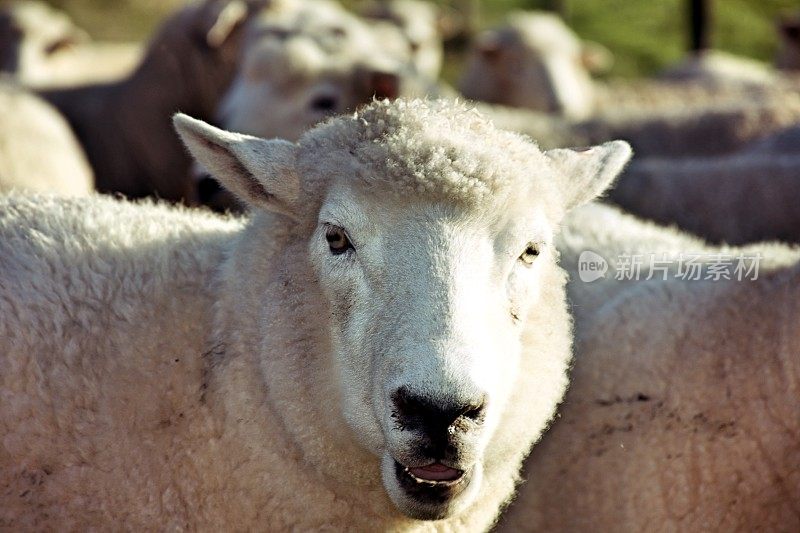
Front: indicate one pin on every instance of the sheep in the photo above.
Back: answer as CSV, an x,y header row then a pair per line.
x,y
519,66
755,191
42,48
658,95
616,235
302,64
533,61
668,120
717,68
715,130
124,126
163,368
90,63
38,151
736,199
32,36
419,22
682,410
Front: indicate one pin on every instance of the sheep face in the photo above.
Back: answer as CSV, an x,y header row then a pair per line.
x,y
286,87
303,64
425,235
419,23
425,387
536,62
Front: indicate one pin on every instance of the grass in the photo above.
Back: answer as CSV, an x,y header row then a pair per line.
x,y
644,35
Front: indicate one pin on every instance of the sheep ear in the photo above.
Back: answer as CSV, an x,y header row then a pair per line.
x,y
230,16
596,58
258,171
586,172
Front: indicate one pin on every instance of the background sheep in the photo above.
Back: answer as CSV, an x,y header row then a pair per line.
x,y
302,64
534,61
420,24
38,151
665,132
734,199
42,47
124,127
716,68
32,35
712,103
616,235
682,408
248,435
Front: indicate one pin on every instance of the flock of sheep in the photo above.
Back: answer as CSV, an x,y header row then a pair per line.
x,y
378,334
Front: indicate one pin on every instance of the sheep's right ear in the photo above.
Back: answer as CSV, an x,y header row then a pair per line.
x,y
585,173
258,171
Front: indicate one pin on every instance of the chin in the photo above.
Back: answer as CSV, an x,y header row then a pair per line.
x,y
426,500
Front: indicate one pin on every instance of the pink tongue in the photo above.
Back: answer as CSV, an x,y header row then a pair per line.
x,y
435,472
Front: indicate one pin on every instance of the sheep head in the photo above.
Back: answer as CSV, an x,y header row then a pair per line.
x,y
426,235
302,64
534,61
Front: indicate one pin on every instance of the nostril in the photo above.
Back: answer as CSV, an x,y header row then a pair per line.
x,y
415,412
474,411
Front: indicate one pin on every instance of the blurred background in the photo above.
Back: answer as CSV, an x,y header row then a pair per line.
x,y
644,35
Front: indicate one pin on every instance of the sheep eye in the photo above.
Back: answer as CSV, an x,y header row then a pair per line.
x,y
337,239
529,255
59,45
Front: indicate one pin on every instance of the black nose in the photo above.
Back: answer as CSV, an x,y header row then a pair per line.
x,y
432,416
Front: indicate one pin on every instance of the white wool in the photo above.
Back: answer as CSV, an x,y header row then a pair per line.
x,y
682,409
38,151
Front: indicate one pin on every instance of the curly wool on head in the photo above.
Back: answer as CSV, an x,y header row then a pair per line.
x,y
418,146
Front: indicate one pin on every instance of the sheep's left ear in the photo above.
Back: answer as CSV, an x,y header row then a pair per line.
x,y
584,173
260,172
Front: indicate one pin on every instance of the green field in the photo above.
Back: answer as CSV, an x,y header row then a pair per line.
x,y
645,35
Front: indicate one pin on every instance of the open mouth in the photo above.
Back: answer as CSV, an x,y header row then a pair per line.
x,y
433,484
434,474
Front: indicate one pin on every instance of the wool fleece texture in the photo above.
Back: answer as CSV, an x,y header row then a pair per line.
x,y
161,368
682,414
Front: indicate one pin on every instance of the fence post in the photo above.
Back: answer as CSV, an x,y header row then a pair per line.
x,y
700,25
